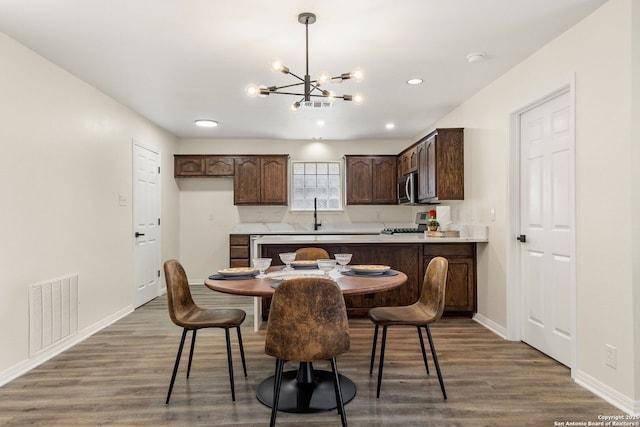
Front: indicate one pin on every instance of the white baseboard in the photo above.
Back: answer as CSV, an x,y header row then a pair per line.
x,y
28,364
617,399
497,329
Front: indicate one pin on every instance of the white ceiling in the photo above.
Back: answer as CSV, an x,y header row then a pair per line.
x,y
174,61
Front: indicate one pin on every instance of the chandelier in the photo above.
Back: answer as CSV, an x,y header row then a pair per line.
x,y
312,88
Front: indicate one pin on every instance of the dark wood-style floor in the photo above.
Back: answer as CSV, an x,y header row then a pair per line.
x,y
120,376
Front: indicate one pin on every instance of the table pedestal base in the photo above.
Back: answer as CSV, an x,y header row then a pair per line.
x,y
306,390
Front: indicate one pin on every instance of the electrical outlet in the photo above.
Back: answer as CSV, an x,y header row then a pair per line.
x,y
611,355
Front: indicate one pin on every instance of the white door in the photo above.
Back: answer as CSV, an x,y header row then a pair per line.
x,y
146,224
546,222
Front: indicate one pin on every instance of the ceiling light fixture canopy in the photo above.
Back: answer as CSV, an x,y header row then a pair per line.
x,y
312,88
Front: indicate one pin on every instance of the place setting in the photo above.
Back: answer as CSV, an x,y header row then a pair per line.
x,y
369,270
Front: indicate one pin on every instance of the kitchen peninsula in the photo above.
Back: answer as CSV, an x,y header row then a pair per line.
x,y
409,253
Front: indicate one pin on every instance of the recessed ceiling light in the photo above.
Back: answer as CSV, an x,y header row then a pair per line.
x,y
206,123
320,122
390,126
316,138
475,56
414,81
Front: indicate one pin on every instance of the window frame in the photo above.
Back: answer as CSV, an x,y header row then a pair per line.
x,y
341,186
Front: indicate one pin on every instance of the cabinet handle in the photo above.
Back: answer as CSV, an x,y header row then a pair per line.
x,y
139,234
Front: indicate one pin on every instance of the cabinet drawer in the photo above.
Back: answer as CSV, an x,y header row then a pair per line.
x,y
239,263
239,252
448,249
239,239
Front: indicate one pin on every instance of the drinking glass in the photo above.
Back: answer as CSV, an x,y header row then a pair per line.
x,y
287,258
343,260
261,264
326,265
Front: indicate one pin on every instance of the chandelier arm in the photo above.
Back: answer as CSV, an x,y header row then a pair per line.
x,y
296,76
311,95
286,86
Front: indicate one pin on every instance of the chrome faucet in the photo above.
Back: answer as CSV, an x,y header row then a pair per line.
x,y
315,214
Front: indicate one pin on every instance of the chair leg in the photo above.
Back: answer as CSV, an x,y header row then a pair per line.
x,y
193,345
175,365
435,361
373,349
336,384
230,363
276,391
244,364
424,353
381,363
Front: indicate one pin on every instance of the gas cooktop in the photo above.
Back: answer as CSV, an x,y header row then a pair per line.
x,y
399,230
421,220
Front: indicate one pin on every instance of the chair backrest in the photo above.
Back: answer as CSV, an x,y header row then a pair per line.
x,y
179,297
433,287
304,254
307,321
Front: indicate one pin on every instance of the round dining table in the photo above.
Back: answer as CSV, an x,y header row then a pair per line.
x,y
306,390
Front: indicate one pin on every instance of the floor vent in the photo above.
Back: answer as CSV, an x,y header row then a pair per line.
x,y
53,312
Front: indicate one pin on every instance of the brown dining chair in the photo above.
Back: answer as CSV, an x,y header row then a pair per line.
x,y
426,310
185,313
307,322
304,254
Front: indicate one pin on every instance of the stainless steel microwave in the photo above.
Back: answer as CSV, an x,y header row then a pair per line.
x,y
408,189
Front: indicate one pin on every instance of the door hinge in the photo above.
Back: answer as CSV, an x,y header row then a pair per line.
x,y
158,273
158,169
158,221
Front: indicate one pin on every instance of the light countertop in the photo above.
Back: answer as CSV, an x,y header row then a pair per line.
x,y
354,232
364,238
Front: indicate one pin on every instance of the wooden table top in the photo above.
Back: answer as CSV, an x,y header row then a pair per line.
x,y
350,285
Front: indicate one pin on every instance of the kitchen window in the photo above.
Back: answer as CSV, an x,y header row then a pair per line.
x,y
316,180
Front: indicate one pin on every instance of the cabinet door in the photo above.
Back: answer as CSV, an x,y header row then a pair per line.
x,y
460,291
450,164
273,180
430,168
427,169
422,171
218,166
187,166
413,160
359,177
384,189
246,182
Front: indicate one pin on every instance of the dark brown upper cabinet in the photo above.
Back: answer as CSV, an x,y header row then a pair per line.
x,y
408,161
202,165
260,180
371,180
441,166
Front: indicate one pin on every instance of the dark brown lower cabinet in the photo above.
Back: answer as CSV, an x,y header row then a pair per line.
x,y
460,293
239,250
411,259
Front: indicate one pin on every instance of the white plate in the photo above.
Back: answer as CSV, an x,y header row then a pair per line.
x,y
370,269
237,271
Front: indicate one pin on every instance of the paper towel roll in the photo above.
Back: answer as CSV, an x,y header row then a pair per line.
x,y
443,214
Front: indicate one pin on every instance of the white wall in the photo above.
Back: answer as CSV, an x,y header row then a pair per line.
x,y
598,51
66,158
